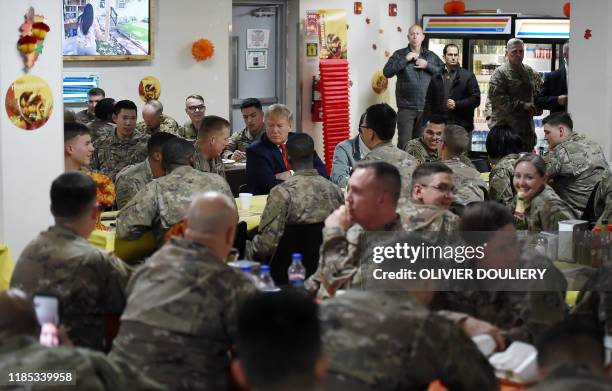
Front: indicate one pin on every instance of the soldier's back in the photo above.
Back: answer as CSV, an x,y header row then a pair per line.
x,y
469,184
401,159
130,181
500,180
89,282
100,128
389,341
312,197
180,317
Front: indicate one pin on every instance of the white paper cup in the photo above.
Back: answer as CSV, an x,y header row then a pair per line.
x,y
245,200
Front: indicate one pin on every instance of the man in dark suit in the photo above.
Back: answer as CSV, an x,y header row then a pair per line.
x,y
453,92
553,95
267,163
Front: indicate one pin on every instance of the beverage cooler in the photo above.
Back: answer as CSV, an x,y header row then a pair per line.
x,y
482,42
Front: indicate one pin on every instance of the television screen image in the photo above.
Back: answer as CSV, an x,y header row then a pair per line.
x,y
107,30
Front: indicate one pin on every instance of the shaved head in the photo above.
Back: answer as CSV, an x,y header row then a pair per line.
x,y
211,221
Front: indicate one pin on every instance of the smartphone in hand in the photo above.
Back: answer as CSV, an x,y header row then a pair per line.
x,y
47,307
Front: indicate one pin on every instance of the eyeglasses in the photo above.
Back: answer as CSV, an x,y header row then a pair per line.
x,y
442,188
362,127
196,108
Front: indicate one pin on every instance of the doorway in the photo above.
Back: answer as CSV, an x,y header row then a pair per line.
x,y
258,54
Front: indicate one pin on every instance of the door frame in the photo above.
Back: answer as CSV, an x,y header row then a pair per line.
x,y
280,61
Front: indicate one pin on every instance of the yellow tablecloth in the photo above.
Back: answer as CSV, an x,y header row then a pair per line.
x,y
133,250
6,267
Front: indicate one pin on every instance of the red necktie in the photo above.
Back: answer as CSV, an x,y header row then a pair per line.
x,y
285,160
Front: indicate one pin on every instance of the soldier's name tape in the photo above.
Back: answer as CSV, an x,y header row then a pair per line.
x,y
19,377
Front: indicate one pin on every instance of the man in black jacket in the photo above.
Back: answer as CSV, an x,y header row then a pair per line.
x,y
553,94
413,66
453,92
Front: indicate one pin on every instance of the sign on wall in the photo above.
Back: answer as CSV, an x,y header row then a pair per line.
x,y
330,28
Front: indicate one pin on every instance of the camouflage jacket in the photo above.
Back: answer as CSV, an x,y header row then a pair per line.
x,y
417,148
100,128
575,167
570,378
188,131
240,141
404,162
500,180
164,201
89,281
168,125
522,315
84,117
93,371
439,222
214,165
545,210
469,184
181,309
603,197
408,350
341,256
131,180
112,154
304,198
507,88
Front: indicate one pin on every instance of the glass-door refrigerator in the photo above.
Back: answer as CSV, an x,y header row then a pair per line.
x,y
544,39
482,41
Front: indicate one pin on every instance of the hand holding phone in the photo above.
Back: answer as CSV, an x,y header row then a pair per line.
x,y
47,307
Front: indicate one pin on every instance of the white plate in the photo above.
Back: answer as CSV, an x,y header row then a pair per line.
x,y
228,161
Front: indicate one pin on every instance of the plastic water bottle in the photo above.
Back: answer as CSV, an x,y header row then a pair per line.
x,y
248,273
266,283
296,272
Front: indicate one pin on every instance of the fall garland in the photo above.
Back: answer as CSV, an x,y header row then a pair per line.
x,y
202,49
105,189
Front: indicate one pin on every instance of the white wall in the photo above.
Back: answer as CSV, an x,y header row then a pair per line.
x,y
29,160
177,25
526,7
363,60
590,81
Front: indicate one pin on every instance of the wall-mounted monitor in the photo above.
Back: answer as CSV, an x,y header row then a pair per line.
x,y
97,30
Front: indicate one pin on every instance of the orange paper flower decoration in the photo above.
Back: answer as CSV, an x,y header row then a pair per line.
x,y
105,194
454,7
202,49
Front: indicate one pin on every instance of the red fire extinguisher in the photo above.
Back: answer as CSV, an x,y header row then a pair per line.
x,y
316,108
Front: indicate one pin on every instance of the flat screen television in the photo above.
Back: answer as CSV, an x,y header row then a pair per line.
x,y
97,30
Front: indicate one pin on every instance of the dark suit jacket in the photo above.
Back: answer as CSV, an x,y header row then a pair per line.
x,y
464,91
264,161
555,84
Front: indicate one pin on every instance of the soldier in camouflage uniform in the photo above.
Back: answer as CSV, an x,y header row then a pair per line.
x,y
522,308
603,197
213,138
371,204
378,130
467,180
253,116
196,110
427,212
154,119
512,91
574,163
411,348
89,282
103,124
134,178
425,148
503,148
94,96
122,147
20,351
179,321
305,198
164,201
543,207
